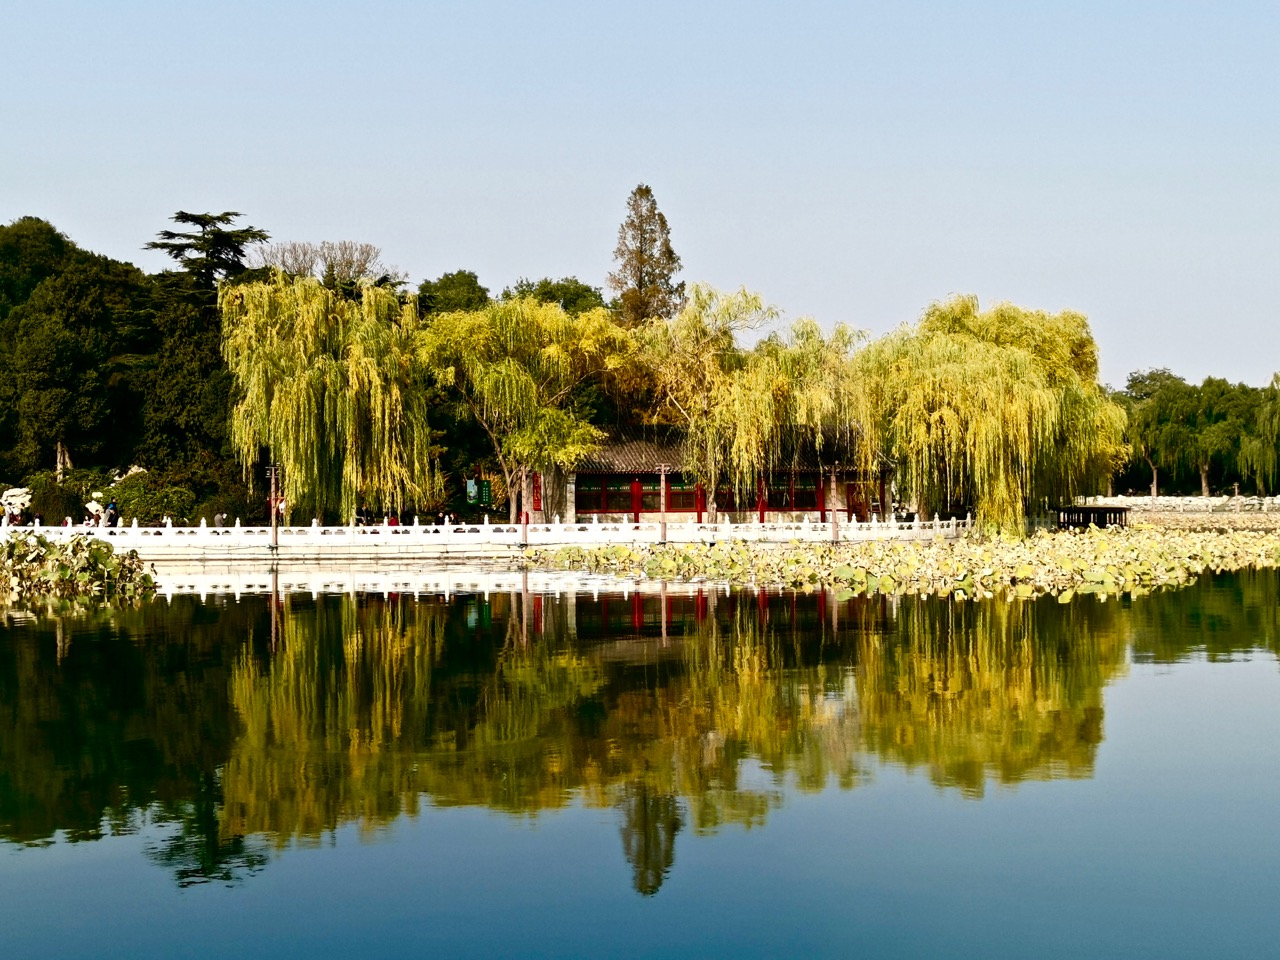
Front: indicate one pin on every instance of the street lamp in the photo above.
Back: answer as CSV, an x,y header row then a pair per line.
x,y
662,502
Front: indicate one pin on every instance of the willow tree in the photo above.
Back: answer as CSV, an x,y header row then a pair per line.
x,y
1000,409
741,410
1260,446
334,389
517,366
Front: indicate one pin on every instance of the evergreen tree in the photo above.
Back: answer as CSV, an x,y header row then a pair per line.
x,y
573,296
647,264
459,290
80,343
189,397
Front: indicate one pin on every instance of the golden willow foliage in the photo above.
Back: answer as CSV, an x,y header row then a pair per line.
x,y
516,365
334,389
742,411
327,736
1010,691
1000,409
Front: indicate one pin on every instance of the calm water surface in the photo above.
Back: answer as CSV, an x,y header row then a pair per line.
x,y
702,775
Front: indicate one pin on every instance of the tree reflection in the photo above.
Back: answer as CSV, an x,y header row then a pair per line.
x,y
695,711
650,822
197,851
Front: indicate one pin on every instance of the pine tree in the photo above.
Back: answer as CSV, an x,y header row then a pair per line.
x,y
647,264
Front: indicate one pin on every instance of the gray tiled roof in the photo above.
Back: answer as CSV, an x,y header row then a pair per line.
x,y
633,455
626,452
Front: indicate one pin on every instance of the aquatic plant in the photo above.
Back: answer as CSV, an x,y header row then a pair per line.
x,y
36,569
1063,563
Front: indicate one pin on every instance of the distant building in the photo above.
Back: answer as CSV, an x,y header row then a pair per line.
x,y
621,482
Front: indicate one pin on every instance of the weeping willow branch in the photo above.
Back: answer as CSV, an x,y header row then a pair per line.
x,y
1001,409
743,411
334,389
517,364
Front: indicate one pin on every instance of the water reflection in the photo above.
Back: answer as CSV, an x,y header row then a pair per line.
x,y
226,730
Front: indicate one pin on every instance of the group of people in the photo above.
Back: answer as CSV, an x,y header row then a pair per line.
x,y
108,516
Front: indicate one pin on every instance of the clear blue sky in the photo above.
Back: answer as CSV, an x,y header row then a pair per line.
x,y
850,161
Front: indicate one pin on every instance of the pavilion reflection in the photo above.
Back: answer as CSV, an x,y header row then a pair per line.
x,y
269,724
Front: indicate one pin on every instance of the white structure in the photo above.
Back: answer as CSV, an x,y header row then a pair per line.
x,y
462,542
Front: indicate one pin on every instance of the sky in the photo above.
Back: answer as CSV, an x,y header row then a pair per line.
x,y
853,162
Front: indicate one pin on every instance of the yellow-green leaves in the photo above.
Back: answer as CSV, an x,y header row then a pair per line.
x,y
999,409
334,388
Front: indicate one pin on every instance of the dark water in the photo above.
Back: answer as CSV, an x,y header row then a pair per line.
x,y
746,775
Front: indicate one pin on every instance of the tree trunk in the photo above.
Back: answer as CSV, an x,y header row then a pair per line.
x,y
1204,480
63,456
1110,491
513,495
1155,478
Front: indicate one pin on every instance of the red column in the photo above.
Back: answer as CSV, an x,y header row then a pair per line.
x,y
700,500
635,501
822,499
760,498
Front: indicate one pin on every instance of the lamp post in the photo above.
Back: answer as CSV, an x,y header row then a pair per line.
x,y
835,522
662,502
273,501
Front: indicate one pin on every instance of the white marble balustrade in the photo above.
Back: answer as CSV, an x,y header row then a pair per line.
x,y
473,540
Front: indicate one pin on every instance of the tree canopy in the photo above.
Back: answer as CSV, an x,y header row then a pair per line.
x,y
459,290
999,409
570,293
334,390
515,365
647,263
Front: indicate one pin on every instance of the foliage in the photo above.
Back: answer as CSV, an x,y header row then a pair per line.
x,y
1216,428
189,390
459,290
1259,456
36,569
334,390
1000,409
56,501
210,252
145,497
647,263
80,342
31,250
573,296
515,366
742,412
1109,562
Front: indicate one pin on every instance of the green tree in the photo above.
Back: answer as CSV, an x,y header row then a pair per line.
x,y
570,293
334,389
1000,409
80,341
459,290
739,409
647,263
516,366
1260,447
189,394
1155,430
210,252
1202,431
31,250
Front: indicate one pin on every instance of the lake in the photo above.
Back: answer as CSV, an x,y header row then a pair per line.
x,y
685,772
